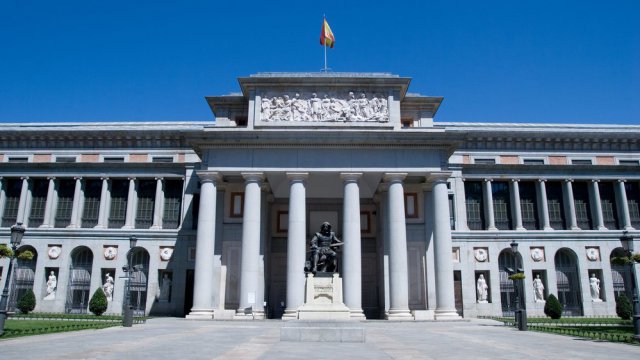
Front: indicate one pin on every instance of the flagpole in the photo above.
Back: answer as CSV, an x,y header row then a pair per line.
x,y
325,56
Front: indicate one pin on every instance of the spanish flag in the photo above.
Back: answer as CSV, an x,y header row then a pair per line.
x,y
326,36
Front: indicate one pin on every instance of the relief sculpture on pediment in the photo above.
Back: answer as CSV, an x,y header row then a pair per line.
x,y
329,108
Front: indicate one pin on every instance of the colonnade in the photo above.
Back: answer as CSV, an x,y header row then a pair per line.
x,y
296,245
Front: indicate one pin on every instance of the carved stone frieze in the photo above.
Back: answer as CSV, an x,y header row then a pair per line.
x,y
332,107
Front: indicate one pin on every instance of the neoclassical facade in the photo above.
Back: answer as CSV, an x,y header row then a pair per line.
x,y
224,210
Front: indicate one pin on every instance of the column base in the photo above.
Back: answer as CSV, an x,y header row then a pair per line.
x,y
356,314
492,228
548,228
628,228
403,314
290,315
447,315
575,228
200,314
99,226
243,314
521,228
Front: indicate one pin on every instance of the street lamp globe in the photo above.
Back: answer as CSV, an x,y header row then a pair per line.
x,y
17,231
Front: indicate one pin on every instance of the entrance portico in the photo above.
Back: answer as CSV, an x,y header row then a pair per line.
x,y
295,161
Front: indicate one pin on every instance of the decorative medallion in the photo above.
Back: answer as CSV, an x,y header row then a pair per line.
x,y
110,252
593,254
54,252
481,254
537,254
166,253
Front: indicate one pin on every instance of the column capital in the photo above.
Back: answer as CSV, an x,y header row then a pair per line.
x,y
438,177
159,178
568,180
350,176
51,177
253,176
77,178
515,180
132,178
487,179
209,176
394,177
24,178
297,176
622,180
595,180
543,180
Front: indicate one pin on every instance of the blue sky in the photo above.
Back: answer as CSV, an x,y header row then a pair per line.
x,y
493,61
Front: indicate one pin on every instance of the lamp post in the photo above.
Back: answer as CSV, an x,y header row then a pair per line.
x,y
520,313
627,244
17,231
127,319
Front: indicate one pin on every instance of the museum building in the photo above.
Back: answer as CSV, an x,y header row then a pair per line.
x,y
224,211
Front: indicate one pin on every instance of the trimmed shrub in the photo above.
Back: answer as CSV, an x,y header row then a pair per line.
x,y
27,302
623,307
553,308
98,304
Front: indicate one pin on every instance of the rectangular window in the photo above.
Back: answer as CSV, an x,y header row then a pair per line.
x,y
162,159
91,208
12,202
609,206
172,204
195,211
581,162
529,205
474,205
113,159
628,162
582,205
65,159
411,205
38,202
452,216
501,205
486,161
533,161
18,159
555,204
146,203
118,208
236,209
66,189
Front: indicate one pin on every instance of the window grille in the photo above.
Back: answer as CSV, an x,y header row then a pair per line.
x,y
555,206
474,205
12,202
118,209
528,206
38,202
79,284
501,205
146,204
609,205
91,208
581,202
172,204
66,189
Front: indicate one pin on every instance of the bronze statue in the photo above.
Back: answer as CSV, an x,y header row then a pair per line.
x,y
323,255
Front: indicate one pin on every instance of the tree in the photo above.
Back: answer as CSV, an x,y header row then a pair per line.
x,y
553,308
27,302
98,303
623,307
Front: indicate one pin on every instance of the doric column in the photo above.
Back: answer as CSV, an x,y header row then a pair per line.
x,y
158,204
517,209
48,206
543,208
296,244
597,204
251,243
487,192
103,218
132,197
398,268
77,203
205,248
22,205
445,299
623,205
352,268
570,206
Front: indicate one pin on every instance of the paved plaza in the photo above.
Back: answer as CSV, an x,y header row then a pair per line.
x,y
171,338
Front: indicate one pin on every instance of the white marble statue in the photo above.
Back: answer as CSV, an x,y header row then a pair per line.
x,y
165,288
482,289
594,284
538,289
52,284
107,287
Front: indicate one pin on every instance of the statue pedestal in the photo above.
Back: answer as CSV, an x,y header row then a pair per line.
x,y
323,299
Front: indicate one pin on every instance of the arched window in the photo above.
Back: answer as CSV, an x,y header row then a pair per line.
x,y
79,285
138,285
24,276
506,260
568,282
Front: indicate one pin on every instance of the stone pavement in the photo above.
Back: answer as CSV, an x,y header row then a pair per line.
x,y
171,338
